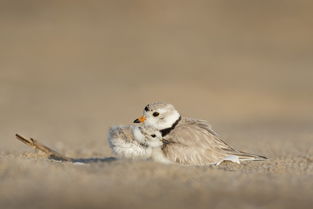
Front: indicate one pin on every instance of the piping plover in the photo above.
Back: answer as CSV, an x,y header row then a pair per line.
x,y
152,139
137,142
190,141
122,142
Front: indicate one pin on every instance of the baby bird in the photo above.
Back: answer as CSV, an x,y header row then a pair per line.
x,y
123,144
152,139
137,142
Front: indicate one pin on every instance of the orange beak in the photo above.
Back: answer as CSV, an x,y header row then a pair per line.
x,y
140,120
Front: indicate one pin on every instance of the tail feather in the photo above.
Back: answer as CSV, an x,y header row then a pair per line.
x,y
237,157
243,156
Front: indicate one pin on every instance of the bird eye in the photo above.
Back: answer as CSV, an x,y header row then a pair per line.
x,y
156,114
153,135
147,108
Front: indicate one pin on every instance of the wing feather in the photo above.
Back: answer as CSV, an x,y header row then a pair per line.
x,y
193,142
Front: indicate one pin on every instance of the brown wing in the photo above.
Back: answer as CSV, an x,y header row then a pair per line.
x,y
200,123
194,143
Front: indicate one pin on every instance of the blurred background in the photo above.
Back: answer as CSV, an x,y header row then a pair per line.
x,y
70,69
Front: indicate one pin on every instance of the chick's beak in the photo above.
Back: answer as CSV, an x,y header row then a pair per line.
x,y
140,120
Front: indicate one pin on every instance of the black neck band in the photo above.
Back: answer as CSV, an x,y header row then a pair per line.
x,y
166,131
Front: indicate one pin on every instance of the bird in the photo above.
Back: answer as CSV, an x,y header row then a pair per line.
x,y
190,141
152,139
137,142
122,141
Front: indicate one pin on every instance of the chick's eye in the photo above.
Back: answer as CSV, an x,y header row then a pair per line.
x,y
153,135
156,114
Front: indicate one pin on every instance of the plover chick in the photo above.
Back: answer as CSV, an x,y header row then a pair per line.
x,y
123,144
137,142
152,139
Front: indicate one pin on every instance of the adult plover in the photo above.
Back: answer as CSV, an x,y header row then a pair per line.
x,y
190,141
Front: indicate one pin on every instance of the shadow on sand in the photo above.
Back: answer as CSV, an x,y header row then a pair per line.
x,y
94,160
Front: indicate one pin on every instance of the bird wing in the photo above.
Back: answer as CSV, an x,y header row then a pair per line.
x,y
193,142
201,123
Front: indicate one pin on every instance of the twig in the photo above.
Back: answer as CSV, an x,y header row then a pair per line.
x,y
49,152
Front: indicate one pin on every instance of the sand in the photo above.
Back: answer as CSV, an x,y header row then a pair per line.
x,y
71,69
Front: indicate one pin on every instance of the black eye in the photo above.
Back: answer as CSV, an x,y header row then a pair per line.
x,y
147,108
153,135
156,114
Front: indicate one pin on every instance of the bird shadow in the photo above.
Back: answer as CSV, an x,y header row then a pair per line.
x,y
94,160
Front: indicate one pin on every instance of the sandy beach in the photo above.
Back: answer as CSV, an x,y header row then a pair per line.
x,y
69,70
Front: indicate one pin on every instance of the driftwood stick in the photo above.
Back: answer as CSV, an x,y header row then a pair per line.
x,y
38,146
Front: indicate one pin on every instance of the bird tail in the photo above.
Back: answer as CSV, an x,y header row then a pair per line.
x,y
243,156
238,157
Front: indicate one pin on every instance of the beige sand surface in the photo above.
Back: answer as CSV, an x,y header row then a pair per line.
x,y
71,69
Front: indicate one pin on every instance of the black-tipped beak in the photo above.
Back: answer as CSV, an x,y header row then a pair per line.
x,y
137,121
140,120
